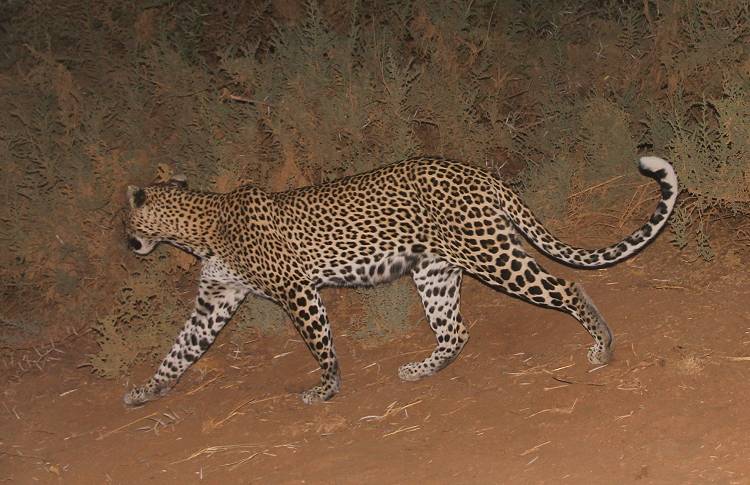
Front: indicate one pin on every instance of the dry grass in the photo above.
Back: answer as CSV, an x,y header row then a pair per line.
x,y
566,410
247,452
205,384
213,424
691,364
535,448
403,429
161,421
127,425
594,187
391,411
738,359
17,362
394,410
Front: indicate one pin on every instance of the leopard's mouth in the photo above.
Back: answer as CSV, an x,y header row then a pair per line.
x,y
140,245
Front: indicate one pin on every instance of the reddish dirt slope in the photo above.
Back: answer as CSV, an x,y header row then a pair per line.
x,y
521,404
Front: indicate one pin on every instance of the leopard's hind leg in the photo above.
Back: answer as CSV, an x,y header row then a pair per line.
x,y
516,273
439,285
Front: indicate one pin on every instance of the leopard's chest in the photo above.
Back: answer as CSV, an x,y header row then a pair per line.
x,y
217,270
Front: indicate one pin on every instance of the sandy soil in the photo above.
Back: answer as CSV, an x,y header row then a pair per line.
x,y
520,405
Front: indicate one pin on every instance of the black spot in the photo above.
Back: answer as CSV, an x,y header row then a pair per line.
x,y
656,218
666,190
529,276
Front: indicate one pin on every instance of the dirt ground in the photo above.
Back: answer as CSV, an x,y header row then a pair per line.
x,y
520,405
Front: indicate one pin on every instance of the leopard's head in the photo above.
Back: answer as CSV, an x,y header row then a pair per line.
x,y
152,213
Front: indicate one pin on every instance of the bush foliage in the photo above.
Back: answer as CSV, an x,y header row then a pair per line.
x,y
559,96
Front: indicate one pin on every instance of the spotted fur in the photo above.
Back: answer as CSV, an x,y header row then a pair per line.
x,y
431,218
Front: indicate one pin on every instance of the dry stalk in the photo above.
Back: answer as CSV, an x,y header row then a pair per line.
x,y
193,391
212,450
597,368
391,410
249,449
160,423
535,448
403,429
556,410
124,426
236,410
594,187
638,199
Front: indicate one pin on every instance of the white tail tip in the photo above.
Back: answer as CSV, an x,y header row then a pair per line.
x,y
653,164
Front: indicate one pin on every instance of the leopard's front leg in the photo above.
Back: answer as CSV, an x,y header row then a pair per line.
x,y
214,306
305,307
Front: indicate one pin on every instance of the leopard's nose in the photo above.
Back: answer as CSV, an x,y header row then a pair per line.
x,y
134,244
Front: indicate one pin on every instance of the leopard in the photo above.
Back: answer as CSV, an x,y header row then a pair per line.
x,y
432,218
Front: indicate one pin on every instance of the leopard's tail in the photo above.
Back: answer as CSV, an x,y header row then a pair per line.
x,y
654,167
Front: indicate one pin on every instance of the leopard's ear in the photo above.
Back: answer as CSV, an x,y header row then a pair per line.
x,y
136,196
179,179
